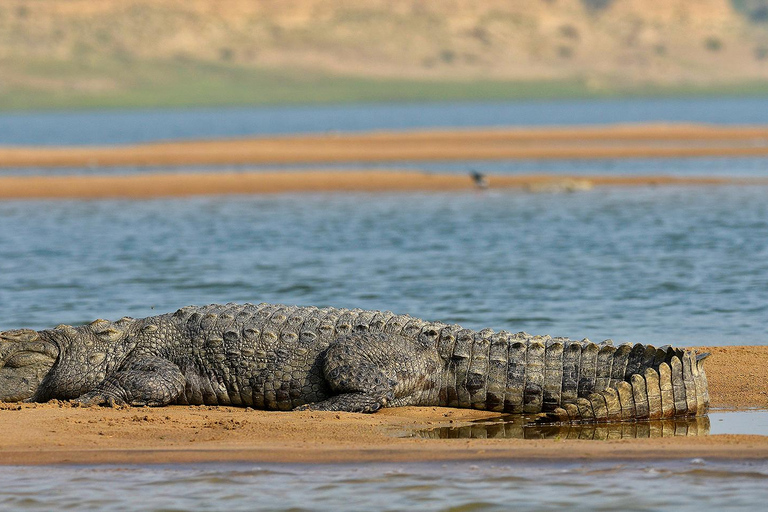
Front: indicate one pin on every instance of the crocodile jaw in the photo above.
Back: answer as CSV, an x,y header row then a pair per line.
x,y
25,360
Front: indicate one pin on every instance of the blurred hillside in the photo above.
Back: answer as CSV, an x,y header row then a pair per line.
x,y
174,52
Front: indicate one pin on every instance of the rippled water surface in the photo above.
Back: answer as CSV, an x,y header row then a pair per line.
x,y
112,127
141,125
659,265
691,485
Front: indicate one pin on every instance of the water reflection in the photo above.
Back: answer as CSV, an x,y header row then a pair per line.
x,y
522,427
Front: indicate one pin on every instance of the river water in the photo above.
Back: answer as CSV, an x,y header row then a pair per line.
x,y
110,127
686,266
686,485
682,265
132,126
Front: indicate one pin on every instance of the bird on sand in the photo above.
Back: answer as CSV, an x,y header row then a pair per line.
x,y
479,179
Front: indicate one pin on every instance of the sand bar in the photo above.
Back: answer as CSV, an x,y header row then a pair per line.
x,y
58,433
591,142
139,186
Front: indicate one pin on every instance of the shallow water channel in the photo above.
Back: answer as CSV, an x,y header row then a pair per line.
x,y
753,422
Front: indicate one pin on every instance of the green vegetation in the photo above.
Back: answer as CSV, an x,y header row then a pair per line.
x,y
596,5
755,10
182,83
713,44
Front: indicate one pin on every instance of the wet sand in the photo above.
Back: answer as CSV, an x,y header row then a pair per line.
x,y
140,186
592,142
59,433
611,141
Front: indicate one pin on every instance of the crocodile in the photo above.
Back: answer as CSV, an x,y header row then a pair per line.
x,y
278,357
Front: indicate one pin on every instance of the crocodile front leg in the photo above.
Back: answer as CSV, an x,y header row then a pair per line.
x,y
143,380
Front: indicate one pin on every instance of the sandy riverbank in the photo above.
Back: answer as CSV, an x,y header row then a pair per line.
x,y
139,186
590,142
59,433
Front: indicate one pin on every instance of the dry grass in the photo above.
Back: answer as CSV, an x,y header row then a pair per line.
x,y
116,50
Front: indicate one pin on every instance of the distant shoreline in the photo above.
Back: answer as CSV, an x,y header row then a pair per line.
x,y
78,54
221,85
244,89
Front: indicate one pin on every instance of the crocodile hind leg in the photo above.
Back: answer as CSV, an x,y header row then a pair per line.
x,y
361,387
368,371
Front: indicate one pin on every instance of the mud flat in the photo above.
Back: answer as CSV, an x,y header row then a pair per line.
x,y
138,186
56,432
591,142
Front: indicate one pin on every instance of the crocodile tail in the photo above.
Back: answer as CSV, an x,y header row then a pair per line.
x,y
569,380
671,384
500,372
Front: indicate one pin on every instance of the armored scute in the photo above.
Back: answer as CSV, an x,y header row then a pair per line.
x,y
287,357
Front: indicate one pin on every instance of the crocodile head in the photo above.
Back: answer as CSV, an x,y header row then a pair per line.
x,y
25,359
